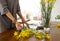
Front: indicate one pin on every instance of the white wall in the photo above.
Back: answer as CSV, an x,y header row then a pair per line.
x,y
30,6
55,11
33,7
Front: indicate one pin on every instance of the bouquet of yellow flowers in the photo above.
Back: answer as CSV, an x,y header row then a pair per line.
x,y
27,33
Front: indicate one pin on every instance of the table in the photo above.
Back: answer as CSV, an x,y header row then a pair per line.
x,y
8,36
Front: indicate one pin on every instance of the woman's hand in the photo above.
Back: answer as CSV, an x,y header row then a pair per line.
x,y
25,22
18,26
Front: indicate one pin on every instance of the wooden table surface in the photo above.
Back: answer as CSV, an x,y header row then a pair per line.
x,y
8,36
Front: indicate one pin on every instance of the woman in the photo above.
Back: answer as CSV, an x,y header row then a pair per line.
x,y
8,11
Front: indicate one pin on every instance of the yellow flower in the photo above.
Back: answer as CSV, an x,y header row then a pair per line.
x,y
37,33
47,1
15,33
44,33
25,33
39,37
52,1
17,37
58,25
47,36
20,36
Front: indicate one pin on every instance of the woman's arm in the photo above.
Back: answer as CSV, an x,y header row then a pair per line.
x,y
6,10
8,14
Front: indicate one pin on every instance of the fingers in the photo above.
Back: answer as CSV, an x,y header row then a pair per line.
x,y
27,20
27,25
18,26
24,21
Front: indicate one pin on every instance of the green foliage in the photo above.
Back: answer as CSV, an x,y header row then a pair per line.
x,y
57,17
47,6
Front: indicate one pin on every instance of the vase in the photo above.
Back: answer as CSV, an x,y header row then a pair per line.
x,y
47,30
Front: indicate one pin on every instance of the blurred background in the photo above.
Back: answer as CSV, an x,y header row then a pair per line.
x,y
33,8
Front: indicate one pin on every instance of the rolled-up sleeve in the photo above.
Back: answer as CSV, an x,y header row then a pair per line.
x,y
4,7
